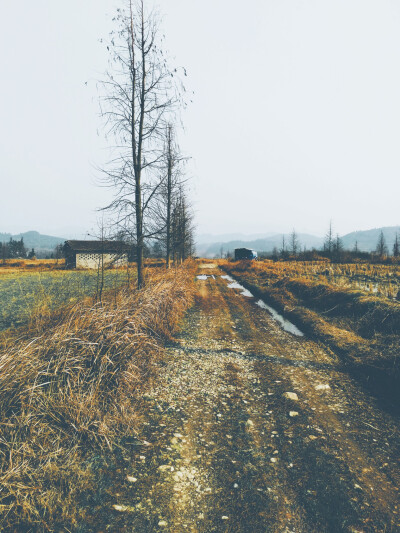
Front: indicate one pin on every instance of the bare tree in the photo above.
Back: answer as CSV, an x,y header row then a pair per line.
x,y
294,243
329,239
396,247
169,191
381,248
102,235
182,229
283,250
337,248
172,184
141,95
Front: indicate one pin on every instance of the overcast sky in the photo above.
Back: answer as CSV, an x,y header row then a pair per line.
x,y
295,119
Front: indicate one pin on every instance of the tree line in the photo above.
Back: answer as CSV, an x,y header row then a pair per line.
x,y
15,249
334,250
143,97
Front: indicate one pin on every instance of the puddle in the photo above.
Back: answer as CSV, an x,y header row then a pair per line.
x,y
235,285
283,322
243,291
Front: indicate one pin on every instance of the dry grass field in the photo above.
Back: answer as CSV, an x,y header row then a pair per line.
x,y
70,393
375,279
20,265
188,406
354,308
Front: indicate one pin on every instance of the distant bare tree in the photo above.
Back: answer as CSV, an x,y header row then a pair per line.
x,y
283,251
101,233
182,229
396,248
156,250
172,184
329,239
337,248
381,248
141,95
294,243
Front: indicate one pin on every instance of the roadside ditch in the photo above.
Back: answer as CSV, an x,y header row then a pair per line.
x,y
373,361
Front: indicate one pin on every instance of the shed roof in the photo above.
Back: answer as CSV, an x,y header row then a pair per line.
x,y
115,247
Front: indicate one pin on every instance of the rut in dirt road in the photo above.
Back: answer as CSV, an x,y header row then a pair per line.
x,y
252,429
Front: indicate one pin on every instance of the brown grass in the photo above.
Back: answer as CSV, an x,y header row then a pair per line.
x,y
30,265
33,265
71,391
363,329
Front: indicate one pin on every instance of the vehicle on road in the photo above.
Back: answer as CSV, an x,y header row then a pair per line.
x,y
245,253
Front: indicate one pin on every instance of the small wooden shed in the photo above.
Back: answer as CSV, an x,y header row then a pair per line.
x,y
95,254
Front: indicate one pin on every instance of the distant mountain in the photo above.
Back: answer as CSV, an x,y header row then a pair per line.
x,y
265,244
208,245
368,239
366,242
34,239
209,238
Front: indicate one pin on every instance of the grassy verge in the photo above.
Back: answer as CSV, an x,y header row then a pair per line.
x,y
25,294
363,330
70,393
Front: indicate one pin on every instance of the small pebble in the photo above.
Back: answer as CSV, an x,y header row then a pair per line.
x,y
163,468
322,387
291,396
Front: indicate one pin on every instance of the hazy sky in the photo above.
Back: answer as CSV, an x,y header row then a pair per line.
x,y
295,120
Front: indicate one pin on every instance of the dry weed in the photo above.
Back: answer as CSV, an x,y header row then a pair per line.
x,y
69,388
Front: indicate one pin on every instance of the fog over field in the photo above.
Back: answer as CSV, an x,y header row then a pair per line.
x,y
294,121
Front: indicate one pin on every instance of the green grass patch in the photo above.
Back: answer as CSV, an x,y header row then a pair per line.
x,y
23,294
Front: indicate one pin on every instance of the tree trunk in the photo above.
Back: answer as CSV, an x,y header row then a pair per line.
x,y
139,232
169,199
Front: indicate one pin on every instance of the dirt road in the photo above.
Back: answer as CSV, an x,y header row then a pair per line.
x,y
253,429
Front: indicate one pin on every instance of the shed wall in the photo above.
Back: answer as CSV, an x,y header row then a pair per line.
x,y
93,260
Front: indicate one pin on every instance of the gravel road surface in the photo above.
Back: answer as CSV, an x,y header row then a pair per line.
x,y
253,429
